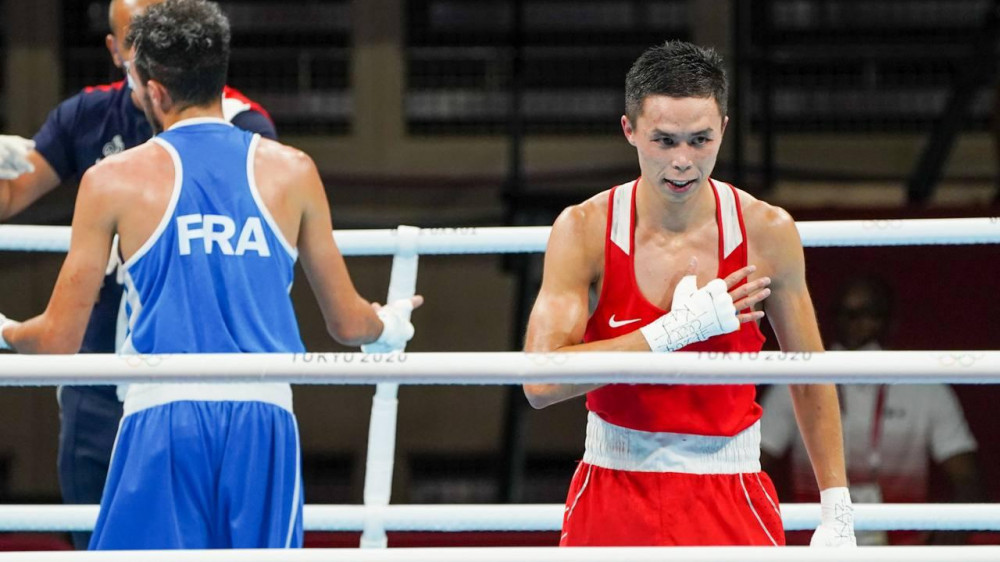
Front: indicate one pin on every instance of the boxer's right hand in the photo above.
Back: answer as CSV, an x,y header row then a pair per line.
x,y
14,156
698,314
695,315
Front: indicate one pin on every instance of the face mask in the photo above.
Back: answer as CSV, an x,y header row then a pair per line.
x,y
128,75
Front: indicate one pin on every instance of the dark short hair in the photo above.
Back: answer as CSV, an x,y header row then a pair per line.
x,y
184,45
677,69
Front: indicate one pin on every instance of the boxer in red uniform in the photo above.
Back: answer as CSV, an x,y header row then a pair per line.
x,y
680,464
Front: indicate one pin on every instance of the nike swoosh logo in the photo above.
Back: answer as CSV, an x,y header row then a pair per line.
x,y
619,323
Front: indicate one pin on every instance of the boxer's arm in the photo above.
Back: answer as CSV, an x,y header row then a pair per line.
x,y
559,317
350,319
793,318
61,327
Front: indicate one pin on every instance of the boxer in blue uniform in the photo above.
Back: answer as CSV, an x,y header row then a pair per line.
x,y
96,123
203,465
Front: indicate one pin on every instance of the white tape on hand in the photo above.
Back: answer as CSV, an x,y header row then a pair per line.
x,y
396,327
695,315
836,524
14,156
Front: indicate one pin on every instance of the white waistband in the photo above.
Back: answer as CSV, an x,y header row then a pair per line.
x,y
141,396
620,448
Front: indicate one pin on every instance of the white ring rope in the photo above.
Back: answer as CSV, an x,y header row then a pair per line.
x,y
766,367
530,517
536,554
475,240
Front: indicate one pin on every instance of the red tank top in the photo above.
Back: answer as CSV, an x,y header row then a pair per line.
x,y
723,410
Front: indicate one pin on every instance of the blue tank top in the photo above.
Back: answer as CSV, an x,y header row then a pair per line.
x,y
216,274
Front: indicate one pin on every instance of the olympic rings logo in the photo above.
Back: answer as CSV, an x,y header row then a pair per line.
x,y
882,224
137,361
961,360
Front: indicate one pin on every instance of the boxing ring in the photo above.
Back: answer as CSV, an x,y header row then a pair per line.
x,y
377,516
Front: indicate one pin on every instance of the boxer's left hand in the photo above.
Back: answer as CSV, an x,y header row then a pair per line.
x,y
396,326
836,525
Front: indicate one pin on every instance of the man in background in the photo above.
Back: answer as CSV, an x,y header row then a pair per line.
x,y
890,431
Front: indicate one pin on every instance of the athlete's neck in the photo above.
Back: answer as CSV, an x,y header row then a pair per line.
x,y
213,111
674,214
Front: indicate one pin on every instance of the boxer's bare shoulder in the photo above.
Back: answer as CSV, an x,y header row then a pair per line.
x,y
580,229
772,235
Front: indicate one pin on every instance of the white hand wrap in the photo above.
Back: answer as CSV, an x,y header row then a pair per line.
x,y
396,328
836,522
14,156
4,322
695,315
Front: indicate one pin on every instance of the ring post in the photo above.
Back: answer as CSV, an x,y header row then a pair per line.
x,y
382,431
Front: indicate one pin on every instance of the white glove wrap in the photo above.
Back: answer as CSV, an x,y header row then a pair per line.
x,y
836,522
695,315
14,156
396,328
4,321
